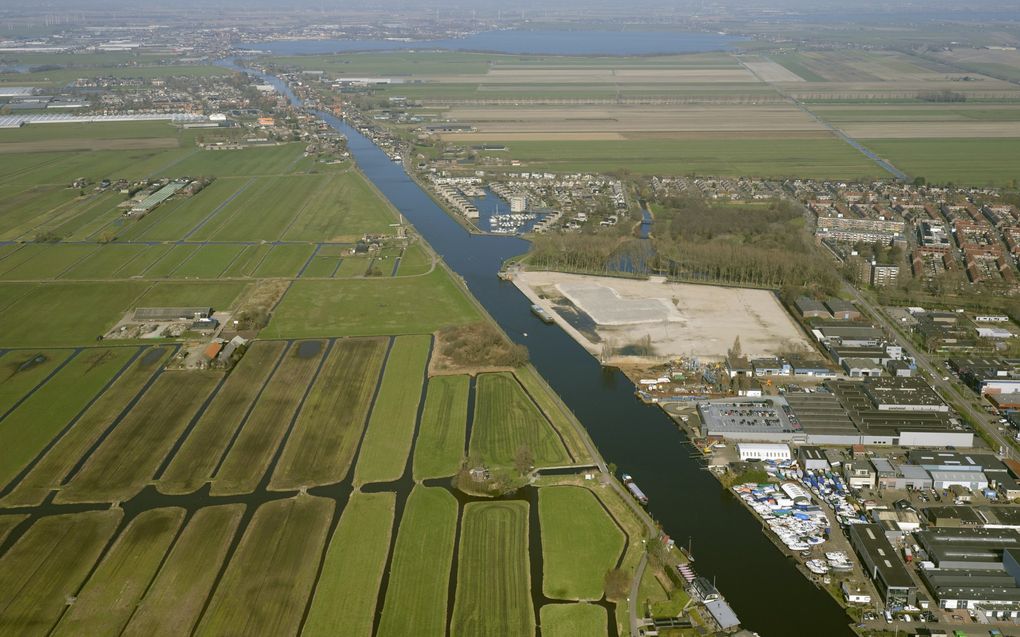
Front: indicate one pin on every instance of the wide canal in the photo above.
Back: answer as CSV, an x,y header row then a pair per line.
x,y
765,589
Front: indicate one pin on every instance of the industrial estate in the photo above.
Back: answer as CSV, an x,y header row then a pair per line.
x,y
499,325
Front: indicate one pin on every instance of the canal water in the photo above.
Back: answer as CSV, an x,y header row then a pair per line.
x,y
769,595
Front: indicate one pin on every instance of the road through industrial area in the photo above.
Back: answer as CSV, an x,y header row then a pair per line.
x,y
938,375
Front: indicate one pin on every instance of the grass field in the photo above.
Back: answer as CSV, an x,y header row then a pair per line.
x,y
111,593
351,267
342,209
414,261
973,162
580,543
265,591
48,262
194,463
817,158
105,262
251,452
209,262
321,447
262,210
127,459
493,587
266,160
371,307
61,304
570,620
47,474
391,426
177,217
48,563
439,448
348,588
22,371
506,420
29,428
220,295
8,524
565,423
174,600
247,261
416,596
284,261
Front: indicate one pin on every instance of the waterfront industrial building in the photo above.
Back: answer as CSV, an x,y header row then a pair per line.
x,y
878,411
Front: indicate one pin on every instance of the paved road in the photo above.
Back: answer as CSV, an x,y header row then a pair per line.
x,y
963,399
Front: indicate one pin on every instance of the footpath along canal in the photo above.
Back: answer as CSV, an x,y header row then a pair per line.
x,y
765,589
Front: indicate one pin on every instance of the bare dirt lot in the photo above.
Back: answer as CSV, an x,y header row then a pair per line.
x,y
610,317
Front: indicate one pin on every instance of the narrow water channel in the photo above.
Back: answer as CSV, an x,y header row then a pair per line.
x,y
769,595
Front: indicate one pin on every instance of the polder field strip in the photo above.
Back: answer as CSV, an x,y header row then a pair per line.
x,y
208,262
571,620
265,587
109,597
49,472
562,419
21,371
439,448
252,450
140,264
267,160
416,596
321,265
48,262
177,256
414,261
218,294
23,205
580,543
174,601
196,460
284,260
321,447
129,456
48,563
818,158
493,587
105,262
377,306
61,304
262,211
172,220
247,261
988,161
348,585
8,523
391,426
28,429
342,209
506,421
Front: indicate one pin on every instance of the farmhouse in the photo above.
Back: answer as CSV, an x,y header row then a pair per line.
x,y
172,313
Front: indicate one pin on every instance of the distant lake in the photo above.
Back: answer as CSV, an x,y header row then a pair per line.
x,y
523,42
